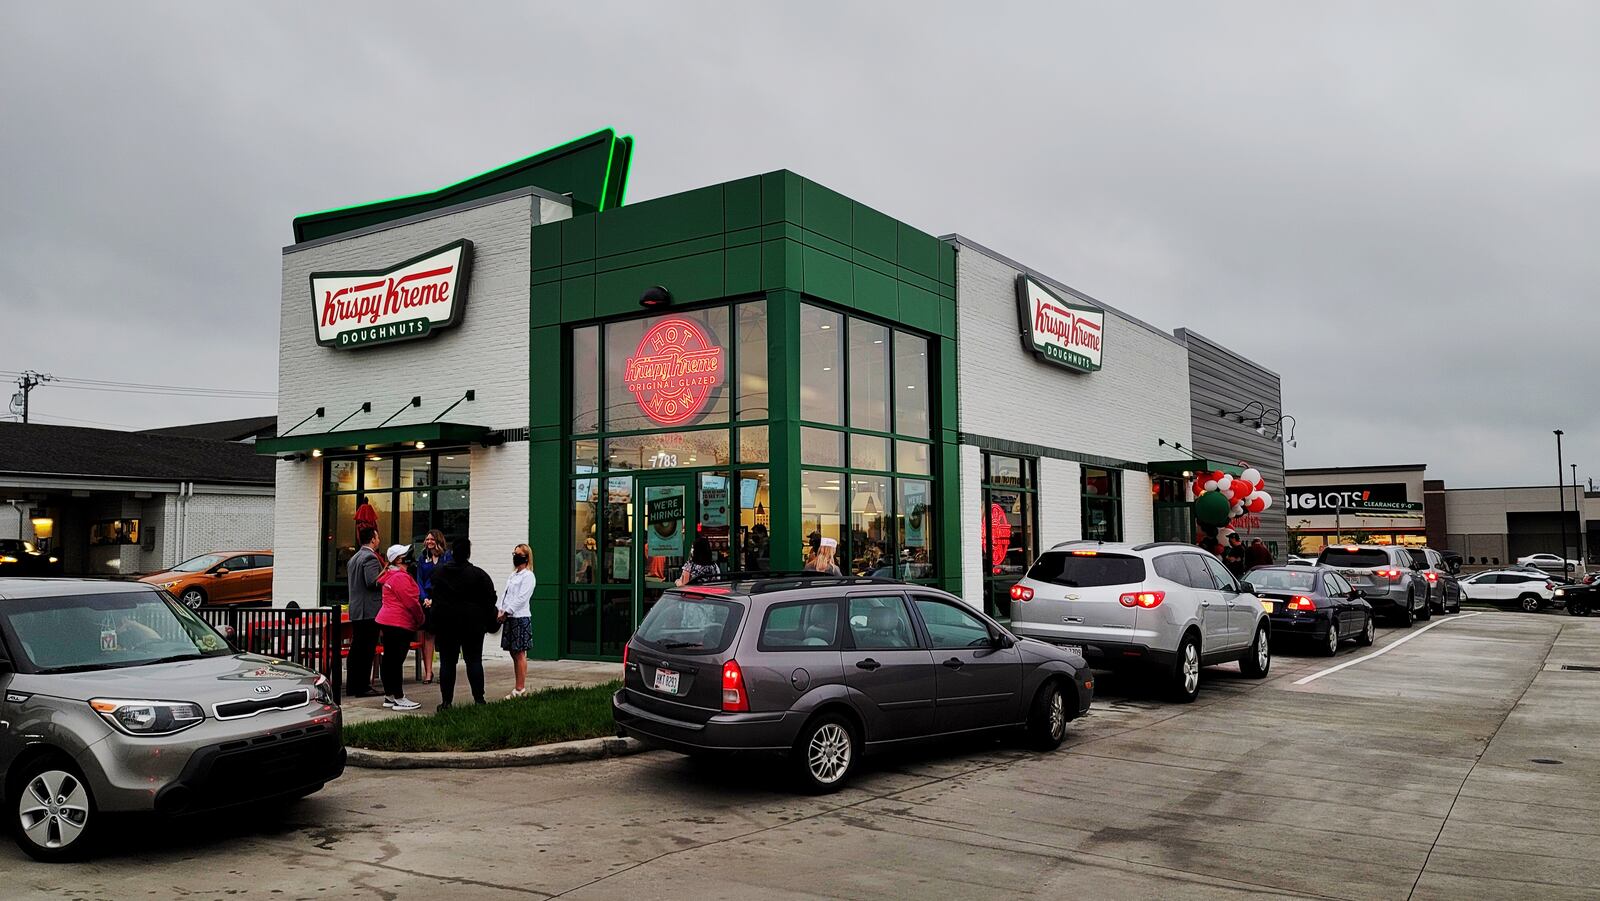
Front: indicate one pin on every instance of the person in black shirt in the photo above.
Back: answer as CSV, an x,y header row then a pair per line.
x,y
463,607
1233,555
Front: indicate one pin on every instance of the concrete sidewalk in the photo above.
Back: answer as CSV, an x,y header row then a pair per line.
x,y
498,681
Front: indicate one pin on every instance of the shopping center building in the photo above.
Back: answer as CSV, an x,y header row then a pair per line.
x,y
521,357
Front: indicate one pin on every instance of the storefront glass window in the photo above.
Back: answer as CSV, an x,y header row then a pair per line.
x,y
869,452
414,518
617,548
912,457
668,450
717,511
914,518
342,475
753,444
339,533
586,531
819,506
1007,526
821,365
455,468
377,475
821,447
1169,495
753,360
416,472
871,525
411,494
667,371
869,375
755,521
911,385
1102,504
586,380
583,622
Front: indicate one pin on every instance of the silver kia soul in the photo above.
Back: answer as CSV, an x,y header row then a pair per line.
x,y
116,698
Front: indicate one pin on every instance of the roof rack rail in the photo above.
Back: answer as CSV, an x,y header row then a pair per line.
x,y
781,580
1149,545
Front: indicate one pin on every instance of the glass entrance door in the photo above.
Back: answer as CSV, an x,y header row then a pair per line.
x,y
666,535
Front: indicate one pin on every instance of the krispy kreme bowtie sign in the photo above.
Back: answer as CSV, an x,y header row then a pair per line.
x,y
674,370
412,299
1059,332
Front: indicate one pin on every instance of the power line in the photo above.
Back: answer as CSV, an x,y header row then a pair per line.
x,y
132,386
119,425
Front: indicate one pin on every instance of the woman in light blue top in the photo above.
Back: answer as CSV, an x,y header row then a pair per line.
x,y
517,634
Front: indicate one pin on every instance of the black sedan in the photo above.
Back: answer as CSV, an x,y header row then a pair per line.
x,y
1313,602
1581,599
21,558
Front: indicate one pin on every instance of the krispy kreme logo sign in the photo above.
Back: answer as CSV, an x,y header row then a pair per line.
x,y
1063,333
674,370
407,300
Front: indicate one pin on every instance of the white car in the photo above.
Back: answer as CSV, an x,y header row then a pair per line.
x,y
1550,562
1530,591
1297,560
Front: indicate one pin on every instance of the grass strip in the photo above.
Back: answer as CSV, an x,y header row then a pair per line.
x,y
537,718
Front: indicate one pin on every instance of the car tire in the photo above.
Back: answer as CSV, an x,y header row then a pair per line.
x,y
1369,633
60,828
825,754
193,598
1047,721
1577,608
1404,617
1183,684
1257,659
1426,610
1330,644
1530,603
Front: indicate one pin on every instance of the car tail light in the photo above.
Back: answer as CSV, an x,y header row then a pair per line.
x,y
1549,586
624,661
1389,573
734,697
1021,593
1433,577
1085,553
1301,602
1145,599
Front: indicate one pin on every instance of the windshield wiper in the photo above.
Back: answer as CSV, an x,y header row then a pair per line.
x,y
677,645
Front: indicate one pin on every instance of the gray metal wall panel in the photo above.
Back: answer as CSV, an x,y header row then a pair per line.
x,y
1220,379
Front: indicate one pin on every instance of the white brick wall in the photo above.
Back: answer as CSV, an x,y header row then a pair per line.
x,y
486,352
971,546
1139,396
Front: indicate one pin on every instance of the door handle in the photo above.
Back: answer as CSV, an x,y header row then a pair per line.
x,y
868,664
953,663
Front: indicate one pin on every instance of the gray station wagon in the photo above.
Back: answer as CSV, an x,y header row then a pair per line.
x,y
114,697
821,669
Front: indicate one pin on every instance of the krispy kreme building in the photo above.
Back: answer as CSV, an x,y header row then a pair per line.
x,y
522,357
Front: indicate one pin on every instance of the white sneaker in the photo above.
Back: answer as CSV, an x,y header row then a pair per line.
x,y
405,704
388,701
516,693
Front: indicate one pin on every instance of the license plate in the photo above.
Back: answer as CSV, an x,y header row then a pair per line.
x,y
1074,649
666,681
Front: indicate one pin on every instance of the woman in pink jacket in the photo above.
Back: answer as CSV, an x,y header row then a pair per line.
x,y
399,619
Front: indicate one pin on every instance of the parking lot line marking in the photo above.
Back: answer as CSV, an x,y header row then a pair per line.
x,y
1381,651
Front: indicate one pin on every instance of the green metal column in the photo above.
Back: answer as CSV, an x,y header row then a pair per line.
x,y
783,374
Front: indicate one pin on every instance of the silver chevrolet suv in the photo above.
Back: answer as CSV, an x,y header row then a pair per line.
x,y
114,697
1387,575
1167,607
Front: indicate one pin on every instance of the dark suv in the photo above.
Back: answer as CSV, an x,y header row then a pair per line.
x,y
821,669
1444,591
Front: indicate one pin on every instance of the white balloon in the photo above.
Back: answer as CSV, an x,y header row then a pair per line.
x,y
1210,485
1266,500
1225,483
1253,476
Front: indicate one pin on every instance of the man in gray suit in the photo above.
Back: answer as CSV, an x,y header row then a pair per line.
x,y
366,597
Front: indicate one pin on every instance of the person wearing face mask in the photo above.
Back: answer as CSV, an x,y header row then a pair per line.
x,y
517,634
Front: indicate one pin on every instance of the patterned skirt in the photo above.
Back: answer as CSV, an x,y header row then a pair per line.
x,y
516,634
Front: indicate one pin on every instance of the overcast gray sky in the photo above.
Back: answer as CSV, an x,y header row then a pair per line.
x,y
1395,209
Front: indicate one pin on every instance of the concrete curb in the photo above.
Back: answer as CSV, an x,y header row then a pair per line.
x,y
560,752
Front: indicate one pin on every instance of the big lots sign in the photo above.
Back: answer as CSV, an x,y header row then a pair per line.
x,y
674,370
1063,333
412,299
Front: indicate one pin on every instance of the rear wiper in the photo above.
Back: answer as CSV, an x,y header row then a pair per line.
x,y
677,645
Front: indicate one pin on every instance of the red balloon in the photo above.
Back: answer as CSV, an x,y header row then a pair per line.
x,y
1257,505
1242,489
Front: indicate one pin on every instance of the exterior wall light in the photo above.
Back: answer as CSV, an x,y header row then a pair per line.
x,y
655,296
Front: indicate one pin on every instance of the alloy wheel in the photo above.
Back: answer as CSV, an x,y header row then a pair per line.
x,y
1191,668
1333,639
1531,605
53,809
1372,631
829,753
194,600
1263,651
1058,715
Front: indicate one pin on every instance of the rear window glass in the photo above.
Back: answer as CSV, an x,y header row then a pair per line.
x,y
1360,557
1419,560
1087,569
1288,579
691,623
810,624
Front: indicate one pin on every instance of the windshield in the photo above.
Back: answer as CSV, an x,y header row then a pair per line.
x,y
106,631
691,623
1087,569
198,565
13,546
1288,579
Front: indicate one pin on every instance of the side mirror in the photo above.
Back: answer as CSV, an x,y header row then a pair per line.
x,y
1357,594
220,571
6,667
1246,588
1000,641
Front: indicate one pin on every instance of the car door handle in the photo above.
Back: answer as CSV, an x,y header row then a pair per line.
x,y
868,664
953,663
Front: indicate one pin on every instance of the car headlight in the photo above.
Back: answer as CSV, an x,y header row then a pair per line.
x,y
1560,592
55,559
323,691
169,585
148,717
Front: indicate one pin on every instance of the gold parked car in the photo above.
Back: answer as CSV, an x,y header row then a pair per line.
x,y
221,577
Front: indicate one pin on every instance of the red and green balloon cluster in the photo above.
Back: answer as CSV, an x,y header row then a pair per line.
x,y
1220,497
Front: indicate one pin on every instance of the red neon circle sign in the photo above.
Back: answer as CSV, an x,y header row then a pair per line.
x,y
999,525
673,371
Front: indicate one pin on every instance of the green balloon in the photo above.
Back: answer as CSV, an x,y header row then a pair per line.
x,y
1212,509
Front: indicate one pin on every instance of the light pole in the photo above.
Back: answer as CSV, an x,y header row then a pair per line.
x,y
1561,496
1577,507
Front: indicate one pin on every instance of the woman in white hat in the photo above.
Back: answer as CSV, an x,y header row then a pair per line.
x,y
398,619
822,560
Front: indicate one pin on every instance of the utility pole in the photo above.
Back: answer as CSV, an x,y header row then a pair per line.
x,y
1577,507
26,382
1561,495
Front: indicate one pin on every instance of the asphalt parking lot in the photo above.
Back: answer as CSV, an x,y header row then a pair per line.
x,y
1413,774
